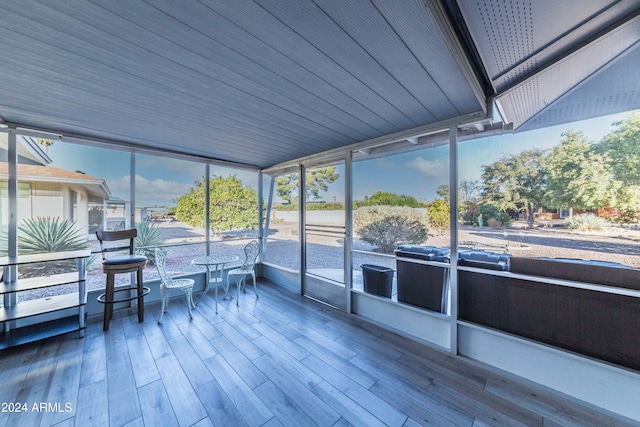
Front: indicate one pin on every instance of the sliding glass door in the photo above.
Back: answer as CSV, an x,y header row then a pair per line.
x,y
324,233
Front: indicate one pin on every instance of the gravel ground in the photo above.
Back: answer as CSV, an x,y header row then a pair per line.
x,y
616,245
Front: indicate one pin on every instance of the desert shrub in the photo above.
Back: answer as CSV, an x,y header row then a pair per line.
x,y
620,216
149,236
586,222
438,216
389,226
45,235
488,212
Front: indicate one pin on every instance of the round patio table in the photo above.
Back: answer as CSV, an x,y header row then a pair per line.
x,y
215,264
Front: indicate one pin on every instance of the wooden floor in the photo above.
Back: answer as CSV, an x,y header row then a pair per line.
x,y
278,360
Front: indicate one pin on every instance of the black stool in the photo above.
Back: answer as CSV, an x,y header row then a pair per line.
x,y
128,263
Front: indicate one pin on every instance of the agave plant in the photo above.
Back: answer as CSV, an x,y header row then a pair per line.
x,y
44,235
149,236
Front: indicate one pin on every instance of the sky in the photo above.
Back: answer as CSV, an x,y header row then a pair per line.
x,y
161,180
420,173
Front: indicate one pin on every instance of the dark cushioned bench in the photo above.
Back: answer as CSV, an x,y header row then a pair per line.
x,y
589,322
421,285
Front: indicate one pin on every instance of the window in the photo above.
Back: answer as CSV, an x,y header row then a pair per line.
x,y
569,191
86,186
283,234
399,198
325,221
234,203
169,210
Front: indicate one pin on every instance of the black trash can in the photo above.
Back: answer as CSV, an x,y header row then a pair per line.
x,y
378,280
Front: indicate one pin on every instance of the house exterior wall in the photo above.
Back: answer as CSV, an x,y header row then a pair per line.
x,y
47,200
44,199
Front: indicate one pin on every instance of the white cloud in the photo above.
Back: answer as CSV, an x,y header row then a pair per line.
x,y
430,168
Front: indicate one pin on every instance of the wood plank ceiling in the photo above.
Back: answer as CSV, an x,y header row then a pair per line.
x,y
256,82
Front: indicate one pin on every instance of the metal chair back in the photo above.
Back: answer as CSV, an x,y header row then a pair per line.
x,y
161,263
251,252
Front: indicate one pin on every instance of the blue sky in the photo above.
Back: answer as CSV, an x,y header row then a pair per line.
x,y
161,180
420,173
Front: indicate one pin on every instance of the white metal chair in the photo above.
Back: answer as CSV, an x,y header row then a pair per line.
x,y
167,283
251,252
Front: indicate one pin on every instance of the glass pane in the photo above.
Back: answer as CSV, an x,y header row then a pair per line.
x,y
283,241
400,199
325,221
233,203
4,206
87,186
570,191
169,208
4,193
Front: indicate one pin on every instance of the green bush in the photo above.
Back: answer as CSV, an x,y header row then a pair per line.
x,y
488,212
383,198
389,226
586,222
149,236
438,216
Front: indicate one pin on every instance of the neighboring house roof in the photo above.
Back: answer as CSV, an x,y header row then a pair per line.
x,y
37,173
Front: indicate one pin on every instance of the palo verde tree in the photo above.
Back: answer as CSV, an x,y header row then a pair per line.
x,y
232,206
317,180
516,182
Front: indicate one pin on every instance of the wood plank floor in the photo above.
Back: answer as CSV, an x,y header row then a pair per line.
x,y
279,360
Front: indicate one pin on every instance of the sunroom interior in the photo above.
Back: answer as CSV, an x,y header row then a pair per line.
x,y
117,114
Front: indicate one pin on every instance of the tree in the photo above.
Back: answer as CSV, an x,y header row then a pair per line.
x,y
469,193
438,216
232,206
578,176
317,179
516,182
383,198
46,143
622,150
443,192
